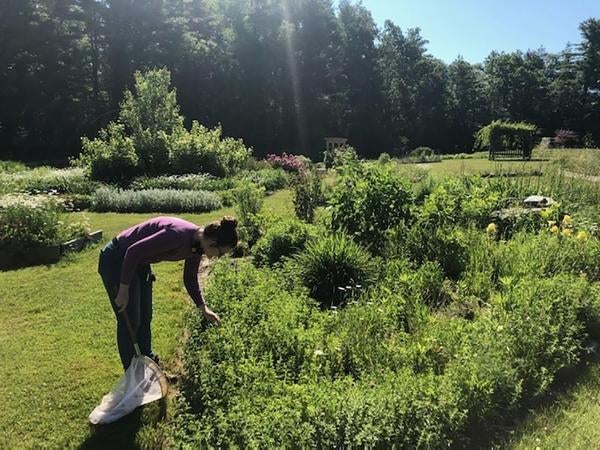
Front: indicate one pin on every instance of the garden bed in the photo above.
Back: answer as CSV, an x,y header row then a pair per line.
x,y
49,254
75,245
14,259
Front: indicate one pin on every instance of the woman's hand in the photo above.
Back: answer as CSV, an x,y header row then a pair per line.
x,y
122,297
210,316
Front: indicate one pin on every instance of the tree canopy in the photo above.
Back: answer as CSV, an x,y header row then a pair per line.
x,y
282,75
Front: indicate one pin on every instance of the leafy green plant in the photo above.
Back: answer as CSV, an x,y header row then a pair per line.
x,y
150,138
111,157
461,201
367,201
308,195
270,179
24,226
333,267
283,239
151,115
422,152
12,167
27,223
47,180
205,150
249,200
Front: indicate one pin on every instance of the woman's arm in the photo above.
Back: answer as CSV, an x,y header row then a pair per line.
x,y
190,280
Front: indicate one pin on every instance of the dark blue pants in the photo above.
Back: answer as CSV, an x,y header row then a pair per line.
x,y
139,308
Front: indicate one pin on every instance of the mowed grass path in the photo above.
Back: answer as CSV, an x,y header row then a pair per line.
x,y
569,420
58,353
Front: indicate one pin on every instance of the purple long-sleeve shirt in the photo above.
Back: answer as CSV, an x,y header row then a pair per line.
x,y
162,239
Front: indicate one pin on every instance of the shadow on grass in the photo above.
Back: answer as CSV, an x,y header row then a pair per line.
x,y
122,434
500,434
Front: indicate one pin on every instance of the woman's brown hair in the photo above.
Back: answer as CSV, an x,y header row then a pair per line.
x,y
223,232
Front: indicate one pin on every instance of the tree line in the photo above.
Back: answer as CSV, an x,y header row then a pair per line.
x,y
281,74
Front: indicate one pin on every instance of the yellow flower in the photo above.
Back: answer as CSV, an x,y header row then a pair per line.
x,y
551,223
491,228
566,220
554,229
582,236
567,232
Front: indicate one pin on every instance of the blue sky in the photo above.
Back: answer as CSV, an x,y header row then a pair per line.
x,y
473,28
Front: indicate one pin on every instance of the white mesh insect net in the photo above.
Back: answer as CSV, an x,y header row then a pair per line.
x,y
142,383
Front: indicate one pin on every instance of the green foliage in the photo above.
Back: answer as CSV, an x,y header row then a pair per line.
x,y
308,195
461,201
340,157
154,200
298,375
150,115
25,226
283,239
150,138
384,158
424,242
367,201
333,268
189,182
29,223
12,167
249,200
205,150
47,180
111,157
422,152
268,178
502,137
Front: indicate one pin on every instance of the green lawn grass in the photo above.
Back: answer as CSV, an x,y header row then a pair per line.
x,y
480,164
568,420
58,353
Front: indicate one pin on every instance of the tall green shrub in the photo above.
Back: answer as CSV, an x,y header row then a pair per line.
x,y
207,151
283,239
249,200
308,195
367,201
111,157
151,115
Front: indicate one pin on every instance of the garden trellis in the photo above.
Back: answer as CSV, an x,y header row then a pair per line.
x,y
506,139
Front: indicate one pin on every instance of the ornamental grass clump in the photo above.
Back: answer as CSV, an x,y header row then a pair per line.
x,y
333,268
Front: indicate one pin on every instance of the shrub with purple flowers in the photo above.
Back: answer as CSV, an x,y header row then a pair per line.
x,y
566,139
291,163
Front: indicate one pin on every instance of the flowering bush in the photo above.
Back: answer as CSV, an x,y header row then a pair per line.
x,y
288,162
29,222
565,138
